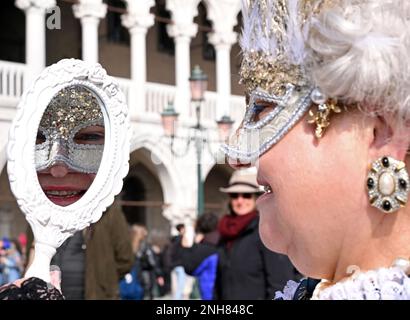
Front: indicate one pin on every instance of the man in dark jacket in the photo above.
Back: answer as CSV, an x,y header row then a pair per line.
x,y
247,270
201,260
93,261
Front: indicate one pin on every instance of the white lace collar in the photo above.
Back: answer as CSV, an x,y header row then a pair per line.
x,y
381,284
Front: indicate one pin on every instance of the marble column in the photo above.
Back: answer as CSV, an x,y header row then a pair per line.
x,y
223,15
182,30
35,11
90,12
138,20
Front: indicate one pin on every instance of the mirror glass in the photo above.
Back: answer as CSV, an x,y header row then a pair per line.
x,y
69,144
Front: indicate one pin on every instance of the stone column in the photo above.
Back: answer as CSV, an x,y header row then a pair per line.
x,y
35,11
90,12
182,30
137,20
223,15
181,213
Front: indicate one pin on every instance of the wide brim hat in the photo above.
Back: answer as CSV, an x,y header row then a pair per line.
x,y
243,181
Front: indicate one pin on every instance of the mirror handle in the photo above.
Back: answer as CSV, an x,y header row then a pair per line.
x,y
40,268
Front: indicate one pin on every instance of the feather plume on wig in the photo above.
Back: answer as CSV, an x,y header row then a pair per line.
x,y
260,18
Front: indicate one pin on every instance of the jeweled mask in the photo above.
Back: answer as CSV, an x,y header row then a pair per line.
x,y
274,74
71,132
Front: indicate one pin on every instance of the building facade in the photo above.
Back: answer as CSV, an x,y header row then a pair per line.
x,y
150,47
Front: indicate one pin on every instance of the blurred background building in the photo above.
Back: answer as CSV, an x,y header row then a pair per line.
x,y
150,47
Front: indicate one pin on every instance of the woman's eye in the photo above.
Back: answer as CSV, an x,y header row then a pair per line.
x,y
40,138
89,138
260,111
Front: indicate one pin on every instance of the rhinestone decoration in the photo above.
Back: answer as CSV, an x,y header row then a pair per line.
x,y
260,70
69,108
388,184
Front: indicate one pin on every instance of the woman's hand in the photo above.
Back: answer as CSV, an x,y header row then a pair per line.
x,y
55,276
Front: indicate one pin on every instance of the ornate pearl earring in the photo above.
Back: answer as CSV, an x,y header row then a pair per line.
x,y
388,184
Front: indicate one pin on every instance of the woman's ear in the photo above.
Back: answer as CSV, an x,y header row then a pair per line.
x,y
389,139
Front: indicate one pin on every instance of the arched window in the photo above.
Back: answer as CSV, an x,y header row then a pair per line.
x,y
134,190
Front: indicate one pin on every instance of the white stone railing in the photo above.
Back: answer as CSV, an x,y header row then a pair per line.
x,y
157,96
12,77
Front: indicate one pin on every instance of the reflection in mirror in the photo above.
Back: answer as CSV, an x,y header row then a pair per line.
x,y
69,145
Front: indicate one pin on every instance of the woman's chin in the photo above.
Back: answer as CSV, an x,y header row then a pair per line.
x,y
265,203
271,239
278,248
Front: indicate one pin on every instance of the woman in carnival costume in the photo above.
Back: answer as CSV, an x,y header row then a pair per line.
x,y
328,125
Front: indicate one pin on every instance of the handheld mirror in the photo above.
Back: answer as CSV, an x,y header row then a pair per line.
x,y
68,152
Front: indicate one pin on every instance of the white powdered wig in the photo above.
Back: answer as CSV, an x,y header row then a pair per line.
x,y
361,53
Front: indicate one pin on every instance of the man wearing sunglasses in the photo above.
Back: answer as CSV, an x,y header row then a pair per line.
x,y
247,270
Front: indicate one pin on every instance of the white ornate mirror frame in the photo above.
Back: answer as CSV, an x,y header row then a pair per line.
x,y
53,224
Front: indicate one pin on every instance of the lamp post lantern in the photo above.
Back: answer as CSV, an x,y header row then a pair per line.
x,y
169,120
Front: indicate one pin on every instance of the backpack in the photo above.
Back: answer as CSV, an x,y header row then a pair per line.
x,y
130,286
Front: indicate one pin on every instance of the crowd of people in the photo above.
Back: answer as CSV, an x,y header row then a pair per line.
x,y
227,259
11,259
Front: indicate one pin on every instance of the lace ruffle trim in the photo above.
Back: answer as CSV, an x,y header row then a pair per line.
x,y
382,284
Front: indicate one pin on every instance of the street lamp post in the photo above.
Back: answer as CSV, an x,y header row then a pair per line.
x,y
198,84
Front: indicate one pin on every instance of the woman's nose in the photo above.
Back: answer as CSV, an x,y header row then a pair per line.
x,y
59,170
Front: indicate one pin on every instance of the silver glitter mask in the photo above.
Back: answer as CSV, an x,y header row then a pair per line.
x,y
258,134
71,110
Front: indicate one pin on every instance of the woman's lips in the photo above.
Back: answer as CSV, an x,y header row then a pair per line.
x,y
267,188
268,191
264,196
63,196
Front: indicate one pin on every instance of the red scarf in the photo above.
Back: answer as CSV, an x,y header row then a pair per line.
x,y
231,225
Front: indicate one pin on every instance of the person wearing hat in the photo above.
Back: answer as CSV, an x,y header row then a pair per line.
x,y
247,270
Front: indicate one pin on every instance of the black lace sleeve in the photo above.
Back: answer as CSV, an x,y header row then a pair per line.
x,y
31,289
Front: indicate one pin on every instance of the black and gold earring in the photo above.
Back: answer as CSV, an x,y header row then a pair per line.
x,y
388,184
